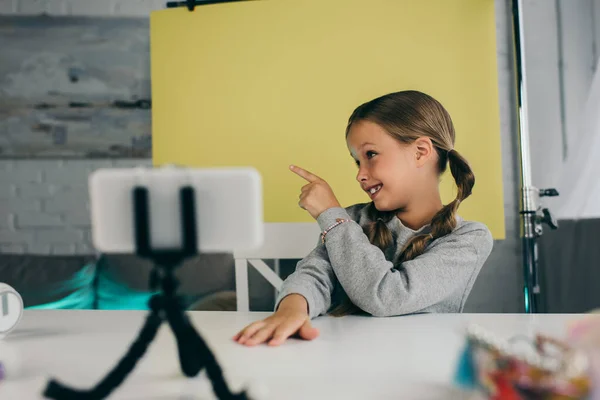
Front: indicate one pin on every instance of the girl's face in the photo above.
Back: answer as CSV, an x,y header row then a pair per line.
x,y
388,171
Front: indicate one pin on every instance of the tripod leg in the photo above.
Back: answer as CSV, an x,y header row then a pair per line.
x,y
194,353
58,391
191,363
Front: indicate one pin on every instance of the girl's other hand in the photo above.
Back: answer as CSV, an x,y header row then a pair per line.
x,y
291,318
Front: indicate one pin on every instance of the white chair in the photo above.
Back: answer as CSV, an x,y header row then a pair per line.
x,y
281,241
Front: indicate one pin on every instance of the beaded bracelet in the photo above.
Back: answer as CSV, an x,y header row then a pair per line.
x,y
338,221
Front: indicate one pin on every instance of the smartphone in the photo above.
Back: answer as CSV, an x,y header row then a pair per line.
x,y
228,208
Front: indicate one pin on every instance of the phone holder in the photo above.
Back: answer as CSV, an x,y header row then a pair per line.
x,y
11,309
194,354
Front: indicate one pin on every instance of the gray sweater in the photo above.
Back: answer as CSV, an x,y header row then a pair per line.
x,y
347,264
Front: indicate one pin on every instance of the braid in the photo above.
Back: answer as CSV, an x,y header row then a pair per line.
x,y
377,231
444,221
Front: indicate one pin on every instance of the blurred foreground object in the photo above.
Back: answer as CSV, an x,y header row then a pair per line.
x,y
523,368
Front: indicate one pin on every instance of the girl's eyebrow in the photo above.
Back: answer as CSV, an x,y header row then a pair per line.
x,y
361,146
366,143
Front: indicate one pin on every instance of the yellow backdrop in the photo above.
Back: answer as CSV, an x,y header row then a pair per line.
x,y
272,83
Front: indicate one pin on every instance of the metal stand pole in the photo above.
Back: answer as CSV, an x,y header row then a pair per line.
x,y
531,218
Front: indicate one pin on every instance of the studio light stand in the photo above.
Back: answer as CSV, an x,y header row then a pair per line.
x,y
194,354
533,216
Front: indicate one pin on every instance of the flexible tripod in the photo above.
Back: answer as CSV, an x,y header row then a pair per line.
x,y
194,354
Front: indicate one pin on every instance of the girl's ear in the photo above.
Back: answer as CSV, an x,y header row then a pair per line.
x,y
423,150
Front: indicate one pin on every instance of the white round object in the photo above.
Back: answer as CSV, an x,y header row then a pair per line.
x,y
11,309
11,365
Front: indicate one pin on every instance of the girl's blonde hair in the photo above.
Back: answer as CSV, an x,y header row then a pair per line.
x,y
406,116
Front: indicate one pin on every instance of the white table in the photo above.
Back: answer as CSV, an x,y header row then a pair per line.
x,y
410,357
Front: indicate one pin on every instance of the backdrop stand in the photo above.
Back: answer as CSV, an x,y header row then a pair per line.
x,y
533,216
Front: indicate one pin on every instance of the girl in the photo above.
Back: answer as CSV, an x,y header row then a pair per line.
x,y
402,253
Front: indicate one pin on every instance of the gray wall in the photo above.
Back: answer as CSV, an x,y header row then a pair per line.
x,y
32,221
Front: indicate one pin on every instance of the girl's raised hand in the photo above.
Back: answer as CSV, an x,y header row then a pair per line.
x,y
316,196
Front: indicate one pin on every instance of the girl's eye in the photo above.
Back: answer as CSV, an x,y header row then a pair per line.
x,y
370,154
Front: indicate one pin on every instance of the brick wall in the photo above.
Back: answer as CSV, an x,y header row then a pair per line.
x,y
44,205
92,8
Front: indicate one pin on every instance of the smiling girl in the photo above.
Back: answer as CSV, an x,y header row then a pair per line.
x,y
405,251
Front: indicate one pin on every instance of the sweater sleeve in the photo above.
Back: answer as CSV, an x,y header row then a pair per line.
x,y
374,285
314,279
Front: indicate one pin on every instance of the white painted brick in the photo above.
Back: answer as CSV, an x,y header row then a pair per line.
x,y
137,8
79,218
34,190
39,248
43,165
7,191
8,6
13,204
26,174
68,203
133,163
22,237
92,165
37,220
58,236
11,218
31,7
87,235
95,8
62,249
14,248
85,248
67,190
56,7
71,176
